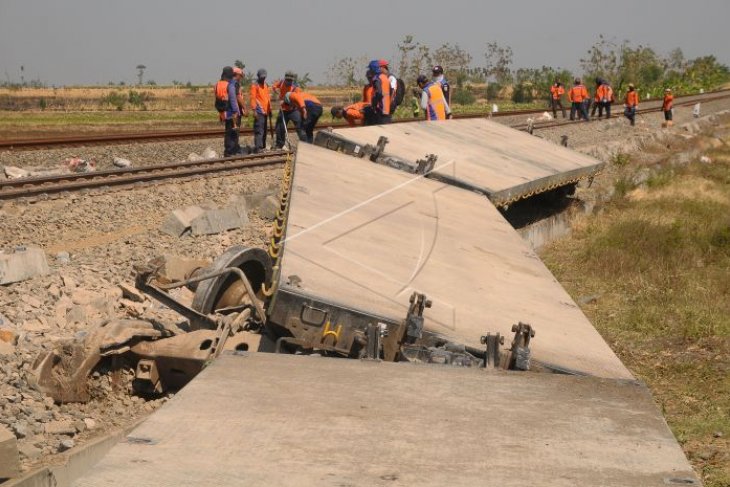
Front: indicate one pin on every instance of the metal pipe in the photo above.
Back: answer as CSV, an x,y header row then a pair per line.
x,y
227,270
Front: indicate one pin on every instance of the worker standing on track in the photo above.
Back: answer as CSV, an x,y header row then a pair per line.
x,y
556,98
577,96
226,90
605,99
438,78
381,101
286,112
261,109
385,69
667,107
433,101
359,113
631,104
310,108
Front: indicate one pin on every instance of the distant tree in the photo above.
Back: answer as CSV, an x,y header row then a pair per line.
x,y
414,58
239,64
304,81
140,72
347,71
604,60
453,59
498,60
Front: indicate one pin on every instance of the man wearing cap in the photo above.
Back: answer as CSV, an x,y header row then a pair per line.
x,y
631,103
261,109
577,96
232,114
359,113
433,101
382,98
438,78
286,112
310,109
667,107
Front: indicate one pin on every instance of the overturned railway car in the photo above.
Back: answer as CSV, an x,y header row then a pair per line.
x,y
417,339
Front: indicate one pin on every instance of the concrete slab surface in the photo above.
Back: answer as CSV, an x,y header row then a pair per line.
x,y
284,420
367,236
502,162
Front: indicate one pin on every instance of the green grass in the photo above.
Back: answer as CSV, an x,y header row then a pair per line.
x,y
661,266
112,117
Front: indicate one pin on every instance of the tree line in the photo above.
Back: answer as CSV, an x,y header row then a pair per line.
x,y
620,63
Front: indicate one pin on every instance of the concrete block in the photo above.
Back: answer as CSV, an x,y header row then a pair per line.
x,y
179,221
220,220
176,268
23,264
15,172
254,200
268,208
9,458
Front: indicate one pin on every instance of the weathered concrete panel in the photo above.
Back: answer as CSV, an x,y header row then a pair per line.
x,y
23,264
284,420
367,236
502,162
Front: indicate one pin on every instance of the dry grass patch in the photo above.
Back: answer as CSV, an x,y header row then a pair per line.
x,y
659,260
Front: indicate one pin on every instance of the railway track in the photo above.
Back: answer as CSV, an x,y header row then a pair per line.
x,y
79,140
46,185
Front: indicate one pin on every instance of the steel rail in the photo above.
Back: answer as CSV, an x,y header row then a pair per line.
x,y
26,143
26,187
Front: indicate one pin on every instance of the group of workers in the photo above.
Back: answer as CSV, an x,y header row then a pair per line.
x,y
603,98
384,92
381,96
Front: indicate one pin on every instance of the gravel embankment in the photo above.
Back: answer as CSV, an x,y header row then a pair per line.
x,y
92,241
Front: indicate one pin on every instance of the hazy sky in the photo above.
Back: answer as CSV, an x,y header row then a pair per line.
x,y
97,41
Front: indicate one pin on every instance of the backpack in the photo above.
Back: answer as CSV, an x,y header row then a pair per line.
x,y
400,92
221,95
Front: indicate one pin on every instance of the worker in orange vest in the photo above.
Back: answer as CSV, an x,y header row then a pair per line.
x,y
261,109
287,113
433,101
631,104
604,97
381,101
359,113
310,108
556,98
577,95
667,107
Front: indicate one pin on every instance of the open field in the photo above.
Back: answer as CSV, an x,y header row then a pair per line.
x,y
651,272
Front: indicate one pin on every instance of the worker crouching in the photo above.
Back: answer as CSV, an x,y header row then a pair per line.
x,y
310,109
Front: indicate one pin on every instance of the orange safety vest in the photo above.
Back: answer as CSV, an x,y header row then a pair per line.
x,y
283,90
632,98
385,88
299,99
668,102
367,93
436,109
354,113
604,94
557,91
260,98
578,93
